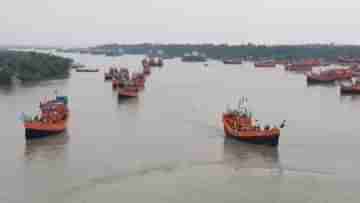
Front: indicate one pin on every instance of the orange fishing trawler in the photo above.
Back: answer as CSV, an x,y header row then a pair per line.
x,y
52,119
240,124
132,87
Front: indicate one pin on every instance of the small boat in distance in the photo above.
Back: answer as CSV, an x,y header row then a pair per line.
x,y
77,65
87,70
232,61
52,119
265,64
153,62
282,62
194,57
240,124
348,60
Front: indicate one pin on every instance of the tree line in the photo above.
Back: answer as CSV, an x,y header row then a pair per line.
x,y
31,66
290,52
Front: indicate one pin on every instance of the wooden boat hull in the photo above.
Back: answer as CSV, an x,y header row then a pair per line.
x,y
262,137
36,134
265,65
87,70
123,93
35,130
313,80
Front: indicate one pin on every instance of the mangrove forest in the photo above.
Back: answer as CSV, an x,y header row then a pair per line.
x,y
31,66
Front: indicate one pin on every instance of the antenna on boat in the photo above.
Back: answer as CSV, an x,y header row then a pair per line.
x,y
282,125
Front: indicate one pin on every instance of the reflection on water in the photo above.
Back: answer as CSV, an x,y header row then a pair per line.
x,y
49,148
349,97
239,155
44,83
6,89
134,101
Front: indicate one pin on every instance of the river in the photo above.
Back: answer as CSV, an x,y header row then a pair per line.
x,y
168,145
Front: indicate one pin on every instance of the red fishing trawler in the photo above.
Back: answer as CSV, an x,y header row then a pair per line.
x,y
240,124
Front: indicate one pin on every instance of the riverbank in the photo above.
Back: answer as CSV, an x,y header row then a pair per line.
x,y
222,51
31,66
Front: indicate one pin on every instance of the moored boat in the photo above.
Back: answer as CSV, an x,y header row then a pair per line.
x,y
77,65
268,63
88,70
329,76
305,65
265,64
320,78
240,124
348,60
153,62
282,62
194,57
51,121
232,61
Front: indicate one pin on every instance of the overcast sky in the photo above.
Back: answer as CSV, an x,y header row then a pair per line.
x,y
89,22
